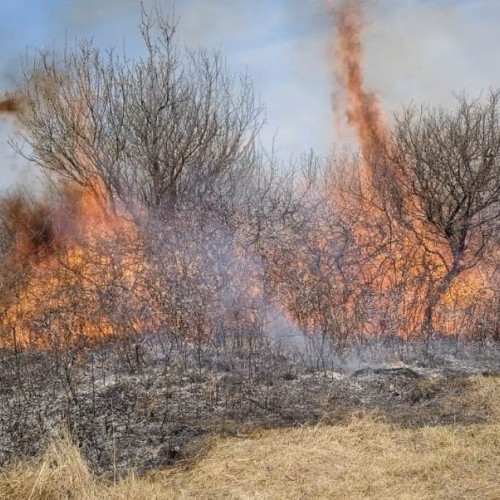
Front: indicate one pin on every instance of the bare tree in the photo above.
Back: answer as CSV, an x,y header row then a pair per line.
x,y
449,165
153,130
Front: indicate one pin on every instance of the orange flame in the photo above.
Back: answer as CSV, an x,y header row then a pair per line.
x,y
58,248
364,112
415,252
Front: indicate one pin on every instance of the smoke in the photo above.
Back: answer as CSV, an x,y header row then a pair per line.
x,y
33,225
42,227
11,105
363,109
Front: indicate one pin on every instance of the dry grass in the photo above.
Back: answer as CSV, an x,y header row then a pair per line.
x,y
61,473
483,395
365,459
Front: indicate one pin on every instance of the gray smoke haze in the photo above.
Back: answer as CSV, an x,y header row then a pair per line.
x,y
415,49
426,50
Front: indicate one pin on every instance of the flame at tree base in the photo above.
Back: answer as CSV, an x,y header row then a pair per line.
x,y
367,263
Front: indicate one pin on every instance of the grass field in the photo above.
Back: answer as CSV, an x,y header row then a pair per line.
x,y
367,458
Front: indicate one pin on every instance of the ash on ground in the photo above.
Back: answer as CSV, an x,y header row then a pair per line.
x,y
146,404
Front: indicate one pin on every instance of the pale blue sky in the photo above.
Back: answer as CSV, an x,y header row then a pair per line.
x,y
416,49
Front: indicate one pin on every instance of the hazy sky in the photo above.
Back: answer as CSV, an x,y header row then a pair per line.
x,y
421,50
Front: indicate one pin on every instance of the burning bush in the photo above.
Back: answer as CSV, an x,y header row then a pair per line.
x,y
168,218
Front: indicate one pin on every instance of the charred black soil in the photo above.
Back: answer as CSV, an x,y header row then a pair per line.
x,y
150,404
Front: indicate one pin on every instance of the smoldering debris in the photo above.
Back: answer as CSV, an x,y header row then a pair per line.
x,y
148,404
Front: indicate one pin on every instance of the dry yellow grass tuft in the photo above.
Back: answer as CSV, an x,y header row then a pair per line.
x,y
483,395
61,473
365,459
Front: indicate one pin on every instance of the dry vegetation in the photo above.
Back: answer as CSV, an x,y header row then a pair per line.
x,y
367,458
167,217
176,282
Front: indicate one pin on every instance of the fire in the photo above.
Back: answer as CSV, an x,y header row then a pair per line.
x,y
82,270
364,112
65,254
416,256
82,266
383,280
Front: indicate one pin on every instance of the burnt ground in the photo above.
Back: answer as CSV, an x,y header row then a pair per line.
x,y
148,405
